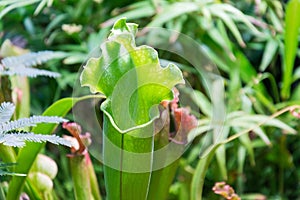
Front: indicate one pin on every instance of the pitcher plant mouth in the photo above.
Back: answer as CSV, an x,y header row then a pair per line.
x,y
131,78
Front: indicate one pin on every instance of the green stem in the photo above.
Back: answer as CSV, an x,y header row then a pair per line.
x,y
2,195
291,45
80,176
8,154
93,179
200,172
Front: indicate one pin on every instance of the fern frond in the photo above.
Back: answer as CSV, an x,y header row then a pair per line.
x,y
29,72
22,65
5,172
9,136
5,165
19,139
29,59
27,122
7,109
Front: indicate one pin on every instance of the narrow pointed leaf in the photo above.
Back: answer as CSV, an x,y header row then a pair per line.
x,y
200,172
172,11
292,25
269,53
229,23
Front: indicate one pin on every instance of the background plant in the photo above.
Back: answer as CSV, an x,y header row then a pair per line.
x,y
253,44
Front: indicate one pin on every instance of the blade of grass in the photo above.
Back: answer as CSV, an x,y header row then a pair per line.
x,y
229,23
137,12
16,5
172,11
292,25
269,53
40,7
241,162
200,172
246,142
221,155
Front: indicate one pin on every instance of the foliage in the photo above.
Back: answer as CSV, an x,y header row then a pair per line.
x,y
5,172
11,136
253,44
22,65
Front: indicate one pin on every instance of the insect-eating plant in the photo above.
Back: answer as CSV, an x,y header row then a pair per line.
x,y
135,125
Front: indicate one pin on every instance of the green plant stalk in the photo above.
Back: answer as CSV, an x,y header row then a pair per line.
x,y
2,195
80,176
161,179
8,154
93,179
31,191
291,35
48,195
200,172
120,184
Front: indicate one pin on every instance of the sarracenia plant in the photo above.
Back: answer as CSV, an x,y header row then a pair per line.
x,y
134,84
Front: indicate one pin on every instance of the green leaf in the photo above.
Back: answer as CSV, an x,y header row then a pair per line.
x,y
134,83
221,154
292,25
41,5
200,172
237,15
137,11
245,140
172,11
241,162
15,4
202,101
296,75
248,121
269,53
229,23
